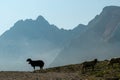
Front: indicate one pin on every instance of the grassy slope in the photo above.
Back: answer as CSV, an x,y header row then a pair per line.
x,y
101,72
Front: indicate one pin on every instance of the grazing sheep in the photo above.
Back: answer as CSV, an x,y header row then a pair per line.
x,y
38,63
113,61
89,64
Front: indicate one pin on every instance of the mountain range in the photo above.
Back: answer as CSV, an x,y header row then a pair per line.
x,y
38,39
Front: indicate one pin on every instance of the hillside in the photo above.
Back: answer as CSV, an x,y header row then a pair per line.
x,y
102,71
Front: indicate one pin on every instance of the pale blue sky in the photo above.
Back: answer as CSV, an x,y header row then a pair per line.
x,y
63,13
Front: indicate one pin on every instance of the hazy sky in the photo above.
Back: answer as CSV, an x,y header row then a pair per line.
x,y
63,13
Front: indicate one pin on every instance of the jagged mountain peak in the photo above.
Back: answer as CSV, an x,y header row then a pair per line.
x,y
111,11
29,27
111,8
79,26
40,18
106,22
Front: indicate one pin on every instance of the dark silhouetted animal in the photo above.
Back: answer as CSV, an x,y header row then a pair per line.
x,y
113,61
38,63
89,64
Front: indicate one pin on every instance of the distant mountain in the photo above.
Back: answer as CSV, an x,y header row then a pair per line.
x,y
101,40
41,29
36,39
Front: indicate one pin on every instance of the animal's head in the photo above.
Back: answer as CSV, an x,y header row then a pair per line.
x,y
29,60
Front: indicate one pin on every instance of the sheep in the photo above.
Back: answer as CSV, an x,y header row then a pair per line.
x,y
38,63
88,64
113,61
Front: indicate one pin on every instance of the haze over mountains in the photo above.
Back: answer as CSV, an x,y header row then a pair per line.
x,y
38,39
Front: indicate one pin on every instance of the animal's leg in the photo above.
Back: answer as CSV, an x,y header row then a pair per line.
x,y
41,67
34,68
